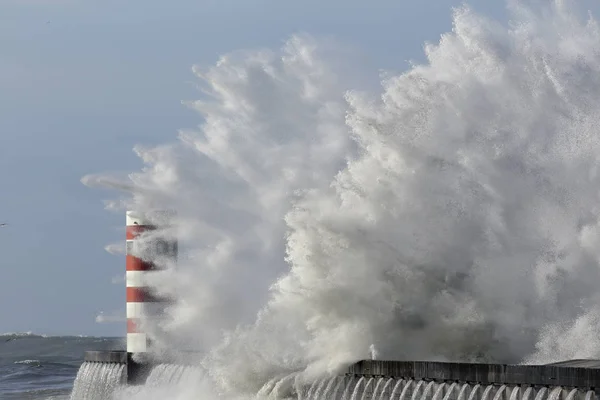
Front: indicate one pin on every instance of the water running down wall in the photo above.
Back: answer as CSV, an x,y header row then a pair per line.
x,y
369,379
98,381
364,388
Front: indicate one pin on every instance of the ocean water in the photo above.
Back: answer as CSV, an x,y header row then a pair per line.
x,y
44,367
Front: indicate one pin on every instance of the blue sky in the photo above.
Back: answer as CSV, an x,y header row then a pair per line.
x,y
77,93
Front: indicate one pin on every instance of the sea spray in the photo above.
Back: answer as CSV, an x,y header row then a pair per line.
x,y
453,216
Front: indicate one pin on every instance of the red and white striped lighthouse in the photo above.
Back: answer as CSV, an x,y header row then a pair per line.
x,y
141,303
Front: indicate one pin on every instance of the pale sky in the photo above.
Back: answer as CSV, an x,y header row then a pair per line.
x,y
82,82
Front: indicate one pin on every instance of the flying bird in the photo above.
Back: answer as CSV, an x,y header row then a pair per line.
x,y
2,225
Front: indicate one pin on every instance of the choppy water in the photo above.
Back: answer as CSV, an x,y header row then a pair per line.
x,y
39,367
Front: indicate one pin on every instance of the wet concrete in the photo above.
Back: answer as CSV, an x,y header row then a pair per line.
x,y
561,374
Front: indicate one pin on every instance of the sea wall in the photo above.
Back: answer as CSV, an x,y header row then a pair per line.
x,y
561,374
583,375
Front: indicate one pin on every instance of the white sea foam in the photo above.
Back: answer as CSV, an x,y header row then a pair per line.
x,y
452,216
37,362
23,335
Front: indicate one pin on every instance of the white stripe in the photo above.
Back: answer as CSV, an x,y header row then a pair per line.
x,y
161,217
137,343
135,278
144,310
135,218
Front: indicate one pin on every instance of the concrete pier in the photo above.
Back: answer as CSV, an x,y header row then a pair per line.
x,y
118,357
583,374
136,373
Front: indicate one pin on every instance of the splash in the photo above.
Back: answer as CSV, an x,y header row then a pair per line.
x,y
453,216
97,381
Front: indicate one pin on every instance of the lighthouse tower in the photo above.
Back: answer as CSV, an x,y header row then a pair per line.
x,y
144,245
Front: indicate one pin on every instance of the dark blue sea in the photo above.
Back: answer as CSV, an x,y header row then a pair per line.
x,y
44,367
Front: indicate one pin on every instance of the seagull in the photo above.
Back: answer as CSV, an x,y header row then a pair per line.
x,y
2,225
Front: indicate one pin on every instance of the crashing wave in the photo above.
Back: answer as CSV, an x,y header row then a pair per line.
x,y
452,216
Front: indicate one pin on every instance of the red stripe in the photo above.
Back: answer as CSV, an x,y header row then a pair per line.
x,y
141,295
133,230
136,264
133,325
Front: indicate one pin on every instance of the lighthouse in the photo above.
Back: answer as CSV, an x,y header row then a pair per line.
x,y
148,250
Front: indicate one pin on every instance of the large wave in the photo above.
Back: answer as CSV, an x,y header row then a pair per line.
x,y
454,216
